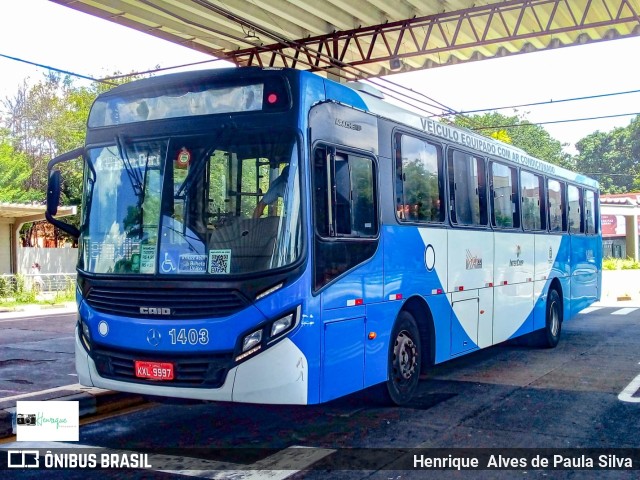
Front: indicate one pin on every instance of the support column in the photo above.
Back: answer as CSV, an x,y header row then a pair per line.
x,y
14,243
631,223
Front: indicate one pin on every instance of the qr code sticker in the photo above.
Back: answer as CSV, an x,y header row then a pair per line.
x,y
219,261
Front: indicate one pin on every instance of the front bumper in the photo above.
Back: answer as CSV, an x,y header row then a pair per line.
x,y
279,375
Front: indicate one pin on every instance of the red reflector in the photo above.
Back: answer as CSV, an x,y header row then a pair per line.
x,y
460,289
272,98
359,301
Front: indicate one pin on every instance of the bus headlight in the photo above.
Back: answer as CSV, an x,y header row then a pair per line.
x,y
281,325
251,340
250,344
267,334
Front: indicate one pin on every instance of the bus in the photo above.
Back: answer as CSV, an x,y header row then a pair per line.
x,y
271,236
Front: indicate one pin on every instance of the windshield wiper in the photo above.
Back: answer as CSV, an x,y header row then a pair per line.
x,y
138,180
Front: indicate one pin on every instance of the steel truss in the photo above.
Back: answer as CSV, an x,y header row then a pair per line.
x,y
530,24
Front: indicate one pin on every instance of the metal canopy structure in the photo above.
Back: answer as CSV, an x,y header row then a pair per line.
x,y
355,39
22,213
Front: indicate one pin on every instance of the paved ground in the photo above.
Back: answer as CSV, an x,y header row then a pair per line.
x,y
513,399
37,363
37,360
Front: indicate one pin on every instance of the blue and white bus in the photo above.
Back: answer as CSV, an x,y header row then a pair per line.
x,y
387,243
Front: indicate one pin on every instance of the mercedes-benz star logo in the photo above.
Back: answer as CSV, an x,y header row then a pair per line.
x,y
153,337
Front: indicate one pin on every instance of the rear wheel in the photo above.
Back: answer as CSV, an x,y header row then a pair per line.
x,y
405,356
550,335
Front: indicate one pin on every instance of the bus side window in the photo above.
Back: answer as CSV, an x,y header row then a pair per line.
x,y
555,200
467,189
576,225
589,212
419,192
531,189
342,204
504,201
345,212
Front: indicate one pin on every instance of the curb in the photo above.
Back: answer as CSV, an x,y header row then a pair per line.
x,y
93,402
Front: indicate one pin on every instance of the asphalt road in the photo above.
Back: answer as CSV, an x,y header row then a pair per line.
x,y
580,395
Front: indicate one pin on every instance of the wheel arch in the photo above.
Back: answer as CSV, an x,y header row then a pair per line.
x,y
557,286
419,309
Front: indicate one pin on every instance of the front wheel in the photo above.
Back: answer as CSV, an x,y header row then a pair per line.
x,y
405,356
550,335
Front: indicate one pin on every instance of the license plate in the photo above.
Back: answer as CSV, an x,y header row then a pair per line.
x,y
154,370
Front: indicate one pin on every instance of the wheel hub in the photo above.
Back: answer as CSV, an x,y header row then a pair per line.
x,y
405,355
555,320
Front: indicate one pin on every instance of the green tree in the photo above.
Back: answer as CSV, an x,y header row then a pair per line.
x,y
519,132
613,158
14,172
49,118
45,120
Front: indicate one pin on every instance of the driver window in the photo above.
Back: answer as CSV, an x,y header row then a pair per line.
x,y
345,212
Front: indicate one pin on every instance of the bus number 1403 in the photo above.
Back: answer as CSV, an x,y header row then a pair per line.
x,y
191,336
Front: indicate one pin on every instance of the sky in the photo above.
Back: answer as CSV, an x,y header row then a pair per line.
x,y
46,33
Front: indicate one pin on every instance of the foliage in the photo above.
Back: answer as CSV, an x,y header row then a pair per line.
x,y
17,290
44,120
612,158
610,263
67,293
14,171
519,132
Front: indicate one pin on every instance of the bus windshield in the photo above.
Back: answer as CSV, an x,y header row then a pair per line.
x,y
222,204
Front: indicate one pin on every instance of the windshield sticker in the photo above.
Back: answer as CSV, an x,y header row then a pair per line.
x,y
184,158
219,261
168,265
147,258
191,263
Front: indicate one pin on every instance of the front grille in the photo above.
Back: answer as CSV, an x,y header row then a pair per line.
x,y
208,371
180,302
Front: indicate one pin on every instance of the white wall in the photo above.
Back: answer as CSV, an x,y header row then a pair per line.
x,y
51,260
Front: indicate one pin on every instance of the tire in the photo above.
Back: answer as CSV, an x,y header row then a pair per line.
x,y
550,334
404,359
